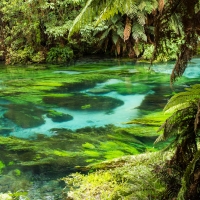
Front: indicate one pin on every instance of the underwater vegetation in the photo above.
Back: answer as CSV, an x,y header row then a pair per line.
x,y
59,116
128,88
25,116
79,102
33,95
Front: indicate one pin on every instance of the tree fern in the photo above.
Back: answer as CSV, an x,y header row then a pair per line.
x,y
183,166
105,10
183,99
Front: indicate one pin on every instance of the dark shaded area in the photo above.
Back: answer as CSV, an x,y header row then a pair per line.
x,y
82,102
25,116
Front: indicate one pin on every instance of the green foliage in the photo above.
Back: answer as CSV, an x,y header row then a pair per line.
x,y
17,172
2,166
169,51
183,125
129,177
183,99
60,54
36,25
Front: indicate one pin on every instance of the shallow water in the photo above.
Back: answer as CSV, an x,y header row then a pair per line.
x,y
94,94
85,117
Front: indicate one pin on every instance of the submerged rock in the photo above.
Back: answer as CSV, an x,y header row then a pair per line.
x,y
83,102
58,116
99,91
5,131
25,116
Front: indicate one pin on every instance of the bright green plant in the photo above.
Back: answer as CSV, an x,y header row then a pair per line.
x,y
183,126
128,177
2,166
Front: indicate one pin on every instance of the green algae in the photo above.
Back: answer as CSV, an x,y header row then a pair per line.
x,y
88,145
25,116
58,116
22,85
155,119
2,166
128,88
70,149
79,102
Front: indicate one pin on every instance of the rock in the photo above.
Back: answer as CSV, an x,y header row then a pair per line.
x,y
58,116
83,102
25,116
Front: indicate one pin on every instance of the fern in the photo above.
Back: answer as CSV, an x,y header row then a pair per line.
x,y
82,19
138,32
185,108
183,99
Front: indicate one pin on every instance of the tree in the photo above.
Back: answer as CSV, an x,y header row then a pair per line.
x,y
130,24
31,28
173,20
182,171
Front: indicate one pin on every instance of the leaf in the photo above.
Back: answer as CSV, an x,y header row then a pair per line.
x,y
115,38
127,29
161,4
80,19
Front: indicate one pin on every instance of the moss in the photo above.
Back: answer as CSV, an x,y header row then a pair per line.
x,y
6,196
88,145
25,116
58,116
129,177
2,166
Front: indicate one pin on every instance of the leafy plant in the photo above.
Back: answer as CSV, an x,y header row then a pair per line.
x,y
182,172
59,54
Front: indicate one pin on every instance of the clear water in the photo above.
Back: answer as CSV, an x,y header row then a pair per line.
x,y
84,118
40,180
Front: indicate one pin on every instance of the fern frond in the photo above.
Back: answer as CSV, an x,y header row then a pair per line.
x,y
177,123
141,17
83,18
110,9
183,98
138,32
176,24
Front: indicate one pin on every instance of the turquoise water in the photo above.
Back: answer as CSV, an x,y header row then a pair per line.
x,y
117,116
50,149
